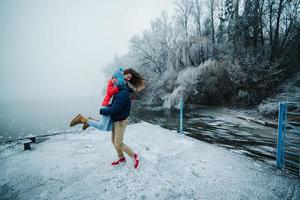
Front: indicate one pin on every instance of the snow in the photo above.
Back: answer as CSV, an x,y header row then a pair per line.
x,y
289,90
188,79
173,166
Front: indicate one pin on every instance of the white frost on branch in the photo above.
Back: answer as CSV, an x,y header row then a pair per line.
x,y
187,80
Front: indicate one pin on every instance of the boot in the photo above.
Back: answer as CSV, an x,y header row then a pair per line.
x,y
85,125
78,119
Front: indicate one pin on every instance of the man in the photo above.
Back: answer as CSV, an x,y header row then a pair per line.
x,y
119,112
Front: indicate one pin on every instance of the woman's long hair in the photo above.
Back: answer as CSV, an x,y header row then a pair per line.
x,y
137,80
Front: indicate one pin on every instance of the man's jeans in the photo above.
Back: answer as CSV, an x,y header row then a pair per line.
x,y
118,131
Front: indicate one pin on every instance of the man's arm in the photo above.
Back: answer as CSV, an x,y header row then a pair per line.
x,y
115,107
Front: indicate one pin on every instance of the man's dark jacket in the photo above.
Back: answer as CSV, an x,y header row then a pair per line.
x,y
120,107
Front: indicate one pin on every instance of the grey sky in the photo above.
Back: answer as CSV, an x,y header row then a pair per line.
x,y
56,48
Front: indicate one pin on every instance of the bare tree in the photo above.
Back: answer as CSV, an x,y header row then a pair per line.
x,y
280,8
291,16
183,10
211,9
197,14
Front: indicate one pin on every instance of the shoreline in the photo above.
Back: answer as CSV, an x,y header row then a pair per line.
x,y
77,166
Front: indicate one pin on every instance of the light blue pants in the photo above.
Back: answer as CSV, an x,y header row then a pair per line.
x,y
104,123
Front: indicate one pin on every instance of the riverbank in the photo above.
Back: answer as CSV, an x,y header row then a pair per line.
x,y
77,166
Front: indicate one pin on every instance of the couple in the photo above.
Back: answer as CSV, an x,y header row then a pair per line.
x,y
115,111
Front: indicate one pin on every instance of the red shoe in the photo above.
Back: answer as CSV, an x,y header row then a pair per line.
x,y
120,161
136,161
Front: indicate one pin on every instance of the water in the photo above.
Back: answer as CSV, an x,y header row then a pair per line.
x,y
221,126
216,125
20,119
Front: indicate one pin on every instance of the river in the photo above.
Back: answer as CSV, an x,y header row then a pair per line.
x,y
216,125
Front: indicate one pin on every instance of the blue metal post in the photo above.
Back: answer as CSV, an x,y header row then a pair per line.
x,y
181,115
284,131
281,135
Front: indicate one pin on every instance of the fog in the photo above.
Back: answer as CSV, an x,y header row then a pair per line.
x,y
58,48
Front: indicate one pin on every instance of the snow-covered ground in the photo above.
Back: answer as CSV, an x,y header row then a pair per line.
x,y
77,166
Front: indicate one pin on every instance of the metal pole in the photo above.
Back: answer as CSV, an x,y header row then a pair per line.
x,y
280,137
181,115
284,131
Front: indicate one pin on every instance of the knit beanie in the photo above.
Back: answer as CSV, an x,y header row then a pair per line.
x,y
119,75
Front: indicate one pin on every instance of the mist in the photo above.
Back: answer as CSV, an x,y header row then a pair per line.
x,y
58,49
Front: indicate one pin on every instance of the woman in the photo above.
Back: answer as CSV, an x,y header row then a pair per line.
x,y
135,83
119,112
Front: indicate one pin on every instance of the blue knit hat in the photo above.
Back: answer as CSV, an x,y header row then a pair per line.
x,y
119,75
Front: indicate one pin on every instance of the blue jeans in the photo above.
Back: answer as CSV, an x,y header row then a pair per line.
x,y
104,123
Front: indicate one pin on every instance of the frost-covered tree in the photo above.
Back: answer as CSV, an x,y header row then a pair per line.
x,y
183,9
197,15
247,45
212,4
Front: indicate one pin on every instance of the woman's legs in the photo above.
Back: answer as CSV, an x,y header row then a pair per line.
x,y
95,124
103,124
119,131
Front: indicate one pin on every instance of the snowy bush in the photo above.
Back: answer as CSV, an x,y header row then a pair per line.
x,y
207,83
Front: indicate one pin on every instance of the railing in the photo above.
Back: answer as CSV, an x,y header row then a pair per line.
x,y
288,141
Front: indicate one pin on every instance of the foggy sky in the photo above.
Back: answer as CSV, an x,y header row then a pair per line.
x,y
57,48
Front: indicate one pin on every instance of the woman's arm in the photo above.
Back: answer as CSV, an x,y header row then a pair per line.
x,y
111,89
